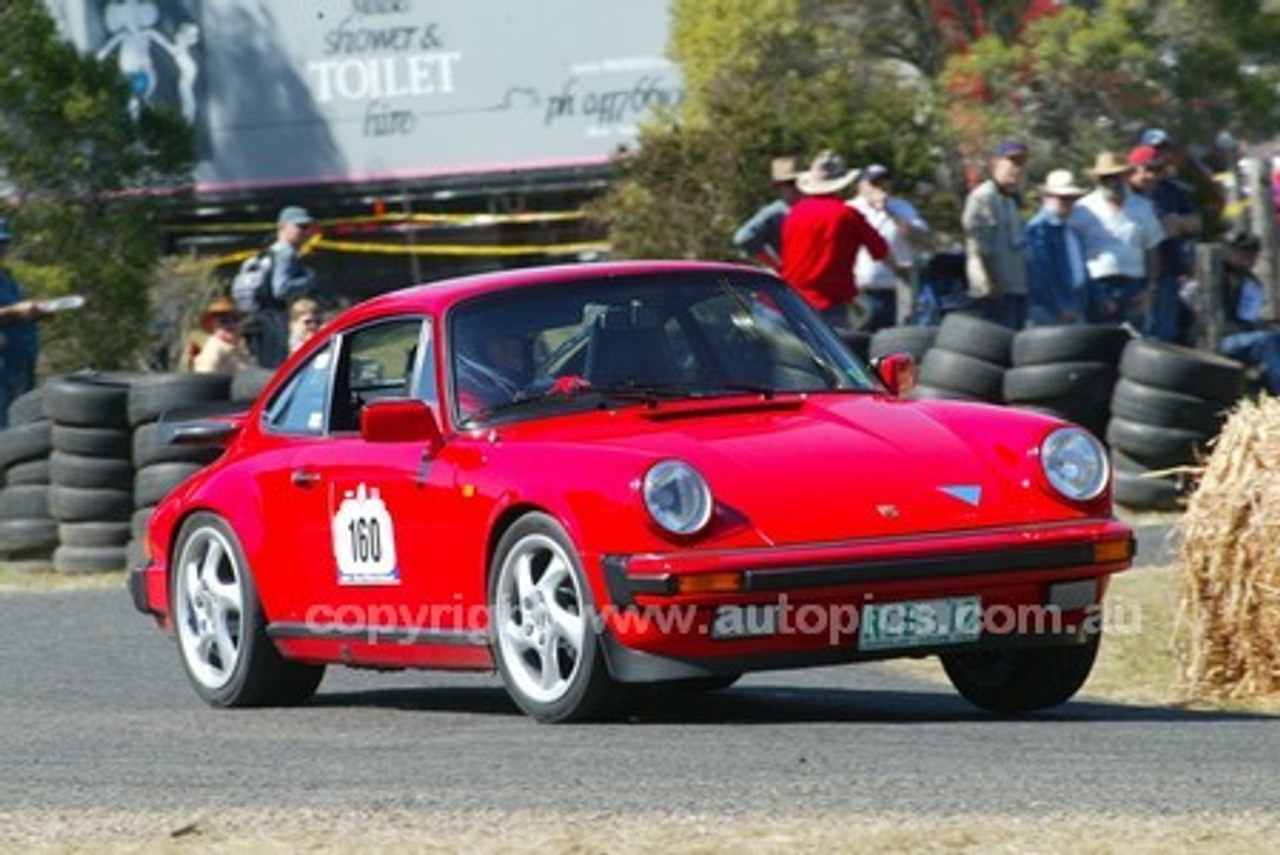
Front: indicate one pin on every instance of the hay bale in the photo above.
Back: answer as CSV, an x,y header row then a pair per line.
x,y
1229,562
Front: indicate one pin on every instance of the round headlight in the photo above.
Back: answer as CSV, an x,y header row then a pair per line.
x,y
1075,463
677,497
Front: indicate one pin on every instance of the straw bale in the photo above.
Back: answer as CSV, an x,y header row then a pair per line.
x,y
1229,562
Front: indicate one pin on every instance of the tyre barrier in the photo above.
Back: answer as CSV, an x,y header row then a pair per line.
x,y
28,534
159,467
76,450
1167,405
1067,371
967,361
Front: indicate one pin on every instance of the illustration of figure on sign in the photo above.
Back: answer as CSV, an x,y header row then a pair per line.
x,y
364,543
132,24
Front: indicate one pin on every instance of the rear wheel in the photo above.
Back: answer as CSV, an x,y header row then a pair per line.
x,y
220,627
546,649
1021,680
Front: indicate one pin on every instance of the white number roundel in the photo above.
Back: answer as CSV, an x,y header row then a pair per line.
x,y
364,541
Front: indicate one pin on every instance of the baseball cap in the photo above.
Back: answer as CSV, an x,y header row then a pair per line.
x,y
1156,138
876,172
293,214
1012,149
1145,155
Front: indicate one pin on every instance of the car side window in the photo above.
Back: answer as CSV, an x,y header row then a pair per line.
x,y
377,361
299,408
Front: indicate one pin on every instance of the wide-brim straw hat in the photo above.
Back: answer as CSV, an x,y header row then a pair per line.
x,y
1061,182
1109,163
218,307
826,176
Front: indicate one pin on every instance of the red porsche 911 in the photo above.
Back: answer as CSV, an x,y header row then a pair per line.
x,y
607,474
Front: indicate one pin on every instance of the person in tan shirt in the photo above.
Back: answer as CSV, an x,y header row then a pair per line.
x,y
223,351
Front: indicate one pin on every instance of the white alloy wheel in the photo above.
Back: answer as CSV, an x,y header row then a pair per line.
x,y
209,611
541,619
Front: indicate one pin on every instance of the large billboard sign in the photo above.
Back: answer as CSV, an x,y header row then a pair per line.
x,y
292,92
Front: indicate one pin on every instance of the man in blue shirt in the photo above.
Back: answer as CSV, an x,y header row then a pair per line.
x,y
760,237
19,345
1248,338
1055,261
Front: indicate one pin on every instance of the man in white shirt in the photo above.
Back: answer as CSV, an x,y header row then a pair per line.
x,y
902,228
1119,232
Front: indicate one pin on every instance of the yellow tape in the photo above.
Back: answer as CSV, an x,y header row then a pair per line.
x,y
452,250
480,219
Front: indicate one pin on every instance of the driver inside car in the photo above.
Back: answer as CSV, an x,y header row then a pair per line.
x,y
492,370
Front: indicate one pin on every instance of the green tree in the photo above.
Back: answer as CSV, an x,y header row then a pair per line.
x,y
763,78
91,184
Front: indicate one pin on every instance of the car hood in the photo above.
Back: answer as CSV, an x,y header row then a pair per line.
x,y
834,467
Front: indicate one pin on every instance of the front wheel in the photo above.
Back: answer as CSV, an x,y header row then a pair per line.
x,y
221,630
1021,680
547,650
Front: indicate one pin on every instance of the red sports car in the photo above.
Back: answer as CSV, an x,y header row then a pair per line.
x,y
625,473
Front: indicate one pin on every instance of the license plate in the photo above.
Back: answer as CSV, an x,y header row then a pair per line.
x,y
919,623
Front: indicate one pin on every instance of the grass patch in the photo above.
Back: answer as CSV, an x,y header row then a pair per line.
x,y
27,582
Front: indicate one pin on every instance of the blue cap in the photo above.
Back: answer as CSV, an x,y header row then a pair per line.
x,y
5,234
876,172
1012,149
293,214
1156,137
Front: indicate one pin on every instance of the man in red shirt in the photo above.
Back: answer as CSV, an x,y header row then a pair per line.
x,y
821,237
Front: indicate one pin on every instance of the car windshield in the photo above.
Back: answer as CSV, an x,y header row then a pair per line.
x,y
640,340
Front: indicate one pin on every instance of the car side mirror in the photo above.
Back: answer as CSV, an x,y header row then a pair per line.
x,y
400,420
897,371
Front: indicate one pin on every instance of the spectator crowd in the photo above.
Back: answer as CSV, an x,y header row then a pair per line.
x,y
1117,249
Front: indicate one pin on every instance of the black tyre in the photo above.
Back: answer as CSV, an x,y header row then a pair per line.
x,y
152,483
24,501
77,560
958,372
1145,493
94,535
31,441
88,400
1088,383
93,441
976,337
151,395
74,470
1022,679
27,535
547,651
1076,343
27,407
1138,402
913,340
87,504
1182,369
32,472
140,520
1154,446
148,449
220,627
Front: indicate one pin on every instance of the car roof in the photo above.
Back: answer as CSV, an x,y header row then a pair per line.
x,y
436,297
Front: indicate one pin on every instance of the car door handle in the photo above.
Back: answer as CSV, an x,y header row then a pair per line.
x,y
304,477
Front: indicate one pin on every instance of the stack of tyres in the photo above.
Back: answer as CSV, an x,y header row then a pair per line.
x,y
91,473
967,362
160,466
1169,402
28,534
1067,371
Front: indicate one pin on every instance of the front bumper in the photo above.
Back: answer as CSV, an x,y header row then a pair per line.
x,y
1049,579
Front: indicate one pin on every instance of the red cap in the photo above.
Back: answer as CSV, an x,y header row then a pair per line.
x,y
1145,155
